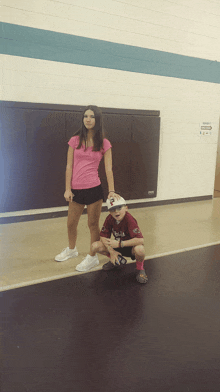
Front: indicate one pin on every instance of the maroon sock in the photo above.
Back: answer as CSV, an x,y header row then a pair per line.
x,y
140,265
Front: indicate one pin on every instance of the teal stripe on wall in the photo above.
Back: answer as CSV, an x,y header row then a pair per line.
x,y
48,45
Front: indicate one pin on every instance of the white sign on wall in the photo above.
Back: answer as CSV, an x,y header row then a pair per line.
x,y
206,128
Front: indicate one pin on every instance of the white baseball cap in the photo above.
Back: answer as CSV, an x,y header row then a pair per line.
x,y
113,203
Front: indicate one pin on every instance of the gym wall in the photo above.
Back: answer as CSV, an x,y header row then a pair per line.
x,y
129,54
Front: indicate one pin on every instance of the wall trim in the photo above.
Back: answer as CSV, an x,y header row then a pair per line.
x,y
25,216
75,108
29,42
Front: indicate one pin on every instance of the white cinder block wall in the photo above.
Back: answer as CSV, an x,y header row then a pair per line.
x,y
186,27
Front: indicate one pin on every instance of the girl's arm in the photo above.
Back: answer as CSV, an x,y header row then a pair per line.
x,y
69,169
109,174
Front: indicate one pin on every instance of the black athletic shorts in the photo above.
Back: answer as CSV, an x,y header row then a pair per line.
x,y
126,251
88,196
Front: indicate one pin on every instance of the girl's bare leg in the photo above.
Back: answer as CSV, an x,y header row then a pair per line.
x,y
94,211
74,213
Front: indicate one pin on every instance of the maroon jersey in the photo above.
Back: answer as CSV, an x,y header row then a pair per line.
x,y
126,229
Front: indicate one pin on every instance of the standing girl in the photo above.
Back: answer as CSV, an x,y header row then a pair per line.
x,y
83,185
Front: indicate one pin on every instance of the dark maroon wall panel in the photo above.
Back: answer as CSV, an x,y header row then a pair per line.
x,y
35,143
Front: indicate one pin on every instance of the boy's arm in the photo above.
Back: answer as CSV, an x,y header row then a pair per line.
x,y
113,253
104,240
132,242
106,237
106,243
136,237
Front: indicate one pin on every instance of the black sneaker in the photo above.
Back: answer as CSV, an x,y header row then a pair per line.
x,y
141,276
108,266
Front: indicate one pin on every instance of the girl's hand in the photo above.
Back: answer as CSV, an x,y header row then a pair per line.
x,y
114,195
68,195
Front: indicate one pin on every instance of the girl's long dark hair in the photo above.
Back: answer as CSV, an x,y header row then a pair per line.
x,y
98,128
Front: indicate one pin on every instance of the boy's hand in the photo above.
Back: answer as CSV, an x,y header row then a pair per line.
x,y
112,243
114,257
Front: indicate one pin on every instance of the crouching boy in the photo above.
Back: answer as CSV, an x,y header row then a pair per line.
x,y
128,239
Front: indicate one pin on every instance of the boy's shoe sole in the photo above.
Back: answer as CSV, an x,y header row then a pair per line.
x,y
141,276
109,266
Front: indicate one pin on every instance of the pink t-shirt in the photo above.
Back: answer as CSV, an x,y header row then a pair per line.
x,y
86,163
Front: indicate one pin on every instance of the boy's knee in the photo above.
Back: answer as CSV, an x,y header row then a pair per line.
x,y
139,251
95,246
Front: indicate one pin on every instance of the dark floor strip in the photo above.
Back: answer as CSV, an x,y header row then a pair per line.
x,y
102,331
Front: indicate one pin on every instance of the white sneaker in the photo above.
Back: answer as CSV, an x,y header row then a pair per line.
x,y
88,263
66,254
